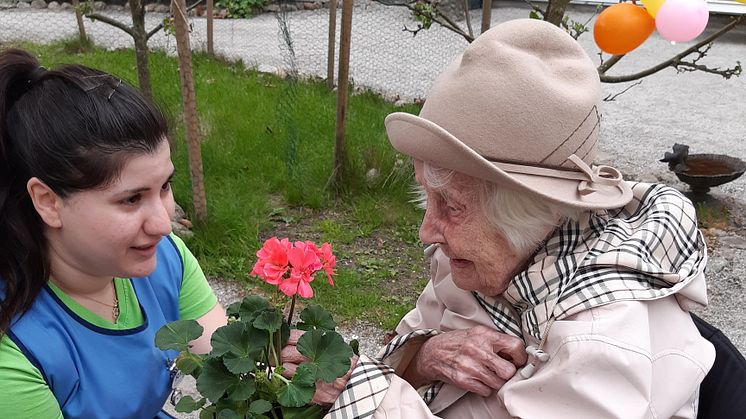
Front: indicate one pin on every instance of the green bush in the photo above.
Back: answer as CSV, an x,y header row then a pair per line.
x,y
238,9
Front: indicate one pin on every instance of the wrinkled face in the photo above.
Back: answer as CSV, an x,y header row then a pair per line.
x,y
480,257
114,231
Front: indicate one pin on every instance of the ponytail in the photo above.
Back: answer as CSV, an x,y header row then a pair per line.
x,y
24,263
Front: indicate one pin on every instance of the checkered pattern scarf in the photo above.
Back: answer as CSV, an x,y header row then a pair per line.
x,y
649,249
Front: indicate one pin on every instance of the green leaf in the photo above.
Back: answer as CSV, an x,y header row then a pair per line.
x,y
313,411
233,310
187,404
315,317
215,379
228,414
239,364
355,345
239,345
231,338
250,307
299,391
534,15
269,320
260,406
189,363
243,390
328,352
177,335
207,413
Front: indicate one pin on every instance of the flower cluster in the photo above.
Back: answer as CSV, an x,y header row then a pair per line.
x,y
292,266
242,376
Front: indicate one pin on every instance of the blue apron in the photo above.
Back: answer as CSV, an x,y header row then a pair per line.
x,y
101,373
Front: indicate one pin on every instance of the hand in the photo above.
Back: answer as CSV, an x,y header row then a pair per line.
x,y
326,393
479,360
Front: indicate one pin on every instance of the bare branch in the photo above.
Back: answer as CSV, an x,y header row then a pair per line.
x,y
159,26
605,66
676,60
726,73
436,17
112,22
467,17
449,24
536,8
611,98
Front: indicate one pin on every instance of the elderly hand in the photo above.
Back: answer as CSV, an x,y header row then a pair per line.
x,y
326,393
479,360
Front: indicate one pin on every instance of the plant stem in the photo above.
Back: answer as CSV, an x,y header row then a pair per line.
x,y
274,351
292,309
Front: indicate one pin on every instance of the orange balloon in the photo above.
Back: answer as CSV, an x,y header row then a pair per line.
x,y
622,27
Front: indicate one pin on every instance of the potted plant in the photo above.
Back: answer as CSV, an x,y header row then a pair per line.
x,y
242,376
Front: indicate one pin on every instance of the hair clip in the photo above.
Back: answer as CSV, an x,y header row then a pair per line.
x,y
119,83
94,87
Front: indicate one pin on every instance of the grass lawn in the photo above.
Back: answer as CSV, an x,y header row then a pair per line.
x,y
267,154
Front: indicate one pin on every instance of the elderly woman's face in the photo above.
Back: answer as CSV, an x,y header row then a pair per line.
x,y
480,257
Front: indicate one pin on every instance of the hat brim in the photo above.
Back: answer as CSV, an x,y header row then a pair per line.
x,y
424,140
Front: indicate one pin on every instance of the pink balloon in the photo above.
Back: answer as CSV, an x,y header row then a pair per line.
x,y
682,20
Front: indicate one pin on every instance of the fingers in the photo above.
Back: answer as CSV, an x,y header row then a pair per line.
x,y
327,393
295,334
479,360
288,369
511,348
291,354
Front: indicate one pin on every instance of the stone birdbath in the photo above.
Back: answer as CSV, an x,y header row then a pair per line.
x,y
703,171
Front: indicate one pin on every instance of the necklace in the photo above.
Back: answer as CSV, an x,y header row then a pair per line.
x,y
114,307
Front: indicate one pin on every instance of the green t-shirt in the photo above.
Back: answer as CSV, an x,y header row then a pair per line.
x,y
23,391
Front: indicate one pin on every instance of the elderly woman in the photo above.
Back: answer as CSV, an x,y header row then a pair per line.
x,y
558,290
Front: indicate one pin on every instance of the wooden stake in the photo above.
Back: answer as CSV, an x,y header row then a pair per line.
x,y
178,8
340,155
331,44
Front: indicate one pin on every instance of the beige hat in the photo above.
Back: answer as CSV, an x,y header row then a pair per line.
x,y
518,108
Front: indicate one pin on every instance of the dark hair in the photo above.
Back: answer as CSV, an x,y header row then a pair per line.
x,y
74,129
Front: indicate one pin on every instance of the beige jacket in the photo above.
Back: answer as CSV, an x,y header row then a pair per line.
x,y
614,321
628,359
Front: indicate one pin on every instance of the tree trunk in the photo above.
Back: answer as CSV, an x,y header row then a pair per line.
x,y
79,18
178,9
556,11
340,154
140,37
210,46
486,15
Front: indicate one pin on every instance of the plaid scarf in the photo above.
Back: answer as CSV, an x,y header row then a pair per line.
x,y
649,249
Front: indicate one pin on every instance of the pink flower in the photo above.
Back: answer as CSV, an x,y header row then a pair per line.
x,y
304,262
329,261
292,266
273,260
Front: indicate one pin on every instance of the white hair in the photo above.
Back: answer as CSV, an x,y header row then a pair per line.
x,y
524,219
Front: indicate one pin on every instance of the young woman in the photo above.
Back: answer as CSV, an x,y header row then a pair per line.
x,y
89,269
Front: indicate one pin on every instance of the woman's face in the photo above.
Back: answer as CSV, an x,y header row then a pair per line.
x,y
480,257
114,231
